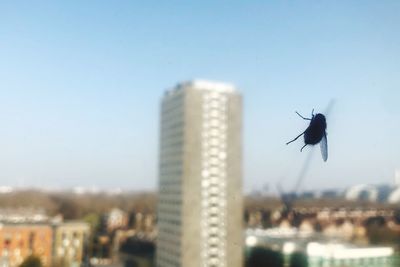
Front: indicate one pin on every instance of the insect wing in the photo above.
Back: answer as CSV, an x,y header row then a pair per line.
x,y
324,147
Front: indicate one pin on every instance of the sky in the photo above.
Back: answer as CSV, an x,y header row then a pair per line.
x,y
81,83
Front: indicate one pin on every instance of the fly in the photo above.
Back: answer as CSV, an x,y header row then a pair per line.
x,y
315,133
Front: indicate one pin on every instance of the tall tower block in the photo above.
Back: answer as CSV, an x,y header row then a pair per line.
x,y
200,209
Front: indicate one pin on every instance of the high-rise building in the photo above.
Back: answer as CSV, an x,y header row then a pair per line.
x,y
200,177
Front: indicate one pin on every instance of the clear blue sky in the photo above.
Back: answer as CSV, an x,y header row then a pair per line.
x,y
81,82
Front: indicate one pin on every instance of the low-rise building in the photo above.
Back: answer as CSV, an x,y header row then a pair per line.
x,y
115,219
320,250
70,243
18,241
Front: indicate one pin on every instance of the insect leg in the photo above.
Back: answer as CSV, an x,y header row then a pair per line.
x,y
301,150
312,113
302,116
295,138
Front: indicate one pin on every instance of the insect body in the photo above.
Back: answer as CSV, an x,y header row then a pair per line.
x,y
315,133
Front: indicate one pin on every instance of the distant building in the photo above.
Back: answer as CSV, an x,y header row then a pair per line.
x,y
394,197
362,192
320,250
397,178
330,194
200,177
142,222
307,195
70,243
384,192
115,219
373,193
23,215
20,240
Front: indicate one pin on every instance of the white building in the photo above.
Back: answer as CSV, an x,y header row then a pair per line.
x,y
397,177
320,250
200,177
362,192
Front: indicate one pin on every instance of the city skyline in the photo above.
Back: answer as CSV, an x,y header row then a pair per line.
x,y
80,85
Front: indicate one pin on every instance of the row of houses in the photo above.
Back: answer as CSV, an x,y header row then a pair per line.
x,y
362,192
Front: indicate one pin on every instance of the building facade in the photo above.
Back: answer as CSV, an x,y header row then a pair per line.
x,y
70,243
200,177
115,219
20,240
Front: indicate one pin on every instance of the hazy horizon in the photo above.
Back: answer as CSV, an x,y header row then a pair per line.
x,y
81,83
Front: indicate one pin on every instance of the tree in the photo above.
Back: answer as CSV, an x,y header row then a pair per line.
x,y
298,259
31,261
262,257
93,219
